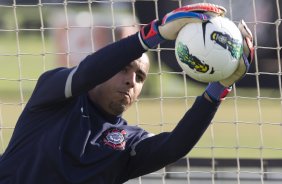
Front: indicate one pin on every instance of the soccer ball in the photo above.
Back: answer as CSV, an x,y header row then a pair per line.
x,y
209,51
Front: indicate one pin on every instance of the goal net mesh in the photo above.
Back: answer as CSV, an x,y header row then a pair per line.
x,y
38,35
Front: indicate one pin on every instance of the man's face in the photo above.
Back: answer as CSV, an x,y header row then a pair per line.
x,y
116,94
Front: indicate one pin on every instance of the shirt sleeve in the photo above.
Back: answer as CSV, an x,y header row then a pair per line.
x,y
62,83
155,152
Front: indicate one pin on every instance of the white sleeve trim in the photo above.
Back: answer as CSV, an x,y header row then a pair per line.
x,y
142,42
68,92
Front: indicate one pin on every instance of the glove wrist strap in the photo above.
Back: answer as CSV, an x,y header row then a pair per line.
x,y
149,35
217,92
142,42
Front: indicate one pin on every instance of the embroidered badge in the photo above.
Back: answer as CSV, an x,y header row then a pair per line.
x,y
115,138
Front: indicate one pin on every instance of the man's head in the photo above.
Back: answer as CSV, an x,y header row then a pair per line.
x,y
116,94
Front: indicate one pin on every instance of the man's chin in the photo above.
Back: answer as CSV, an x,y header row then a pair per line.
x,y
120,108
123,108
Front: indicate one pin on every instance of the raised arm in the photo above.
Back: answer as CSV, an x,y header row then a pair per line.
x,y
155,152
62,83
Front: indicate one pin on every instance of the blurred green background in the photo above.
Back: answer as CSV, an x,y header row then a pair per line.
x,y
247,125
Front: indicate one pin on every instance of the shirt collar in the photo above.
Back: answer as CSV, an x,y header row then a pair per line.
x,y
113,119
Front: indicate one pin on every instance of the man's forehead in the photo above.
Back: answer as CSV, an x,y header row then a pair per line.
x,y
141,63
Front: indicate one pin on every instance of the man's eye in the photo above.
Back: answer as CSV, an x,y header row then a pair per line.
x,y
139,78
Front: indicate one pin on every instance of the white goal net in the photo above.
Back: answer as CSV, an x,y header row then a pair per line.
x,y
244,142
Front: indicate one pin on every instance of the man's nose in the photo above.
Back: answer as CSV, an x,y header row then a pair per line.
x,y
131,79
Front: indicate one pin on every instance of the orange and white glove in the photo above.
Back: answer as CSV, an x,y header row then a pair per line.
x,y
158,31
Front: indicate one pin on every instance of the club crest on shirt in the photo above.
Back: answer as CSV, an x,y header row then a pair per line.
x,y
115,138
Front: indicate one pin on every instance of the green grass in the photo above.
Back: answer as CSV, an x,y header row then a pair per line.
x,y
247,127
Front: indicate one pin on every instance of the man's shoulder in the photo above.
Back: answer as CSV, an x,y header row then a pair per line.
x,y
135,131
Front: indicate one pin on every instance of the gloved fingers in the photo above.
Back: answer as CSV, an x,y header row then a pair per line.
x,y
171,25
245,31
248,48
203,8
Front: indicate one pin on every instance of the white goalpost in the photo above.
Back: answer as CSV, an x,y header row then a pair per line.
x,y
243,144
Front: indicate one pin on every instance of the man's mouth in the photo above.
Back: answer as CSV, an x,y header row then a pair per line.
x,y
126,94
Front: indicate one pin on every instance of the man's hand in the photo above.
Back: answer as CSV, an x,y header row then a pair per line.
x,y
218,90
167,29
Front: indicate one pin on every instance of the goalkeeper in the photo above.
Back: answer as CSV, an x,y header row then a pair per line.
x,y
72,131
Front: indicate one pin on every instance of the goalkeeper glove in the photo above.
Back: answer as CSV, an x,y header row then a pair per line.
x,y
218,90
158,31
